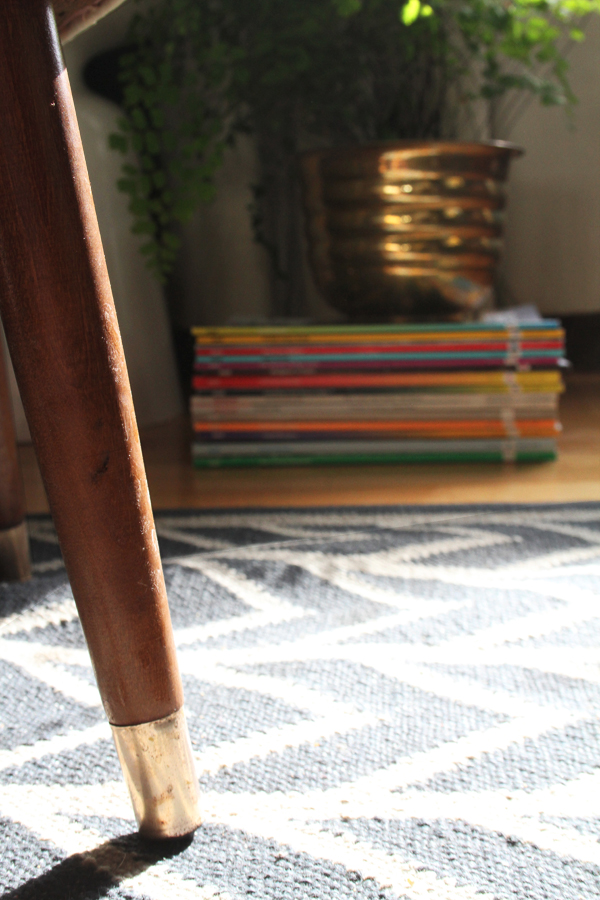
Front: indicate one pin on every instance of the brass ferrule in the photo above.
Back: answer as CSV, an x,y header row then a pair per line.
x,y
157,762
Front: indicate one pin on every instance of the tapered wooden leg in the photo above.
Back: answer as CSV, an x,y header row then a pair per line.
x,y
64,340
14,543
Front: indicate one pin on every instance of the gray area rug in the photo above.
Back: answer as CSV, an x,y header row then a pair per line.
x,y
383,703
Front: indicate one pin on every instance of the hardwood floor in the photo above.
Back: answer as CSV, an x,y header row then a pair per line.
x,y
174,483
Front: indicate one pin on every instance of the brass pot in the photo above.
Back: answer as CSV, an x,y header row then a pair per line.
x,y
409,228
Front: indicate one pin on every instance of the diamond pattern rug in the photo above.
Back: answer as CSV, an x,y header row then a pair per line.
x,y
383,703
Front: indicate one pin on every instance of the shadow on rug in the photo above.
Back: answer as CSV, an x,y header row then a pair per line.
x,y
384,703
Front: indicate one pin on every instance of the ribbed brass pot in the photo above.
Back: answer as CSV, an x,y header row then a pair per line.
x,y
410,228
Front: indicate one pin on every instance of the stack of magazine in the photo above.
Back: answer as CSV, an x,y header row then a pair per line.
x,y
376,393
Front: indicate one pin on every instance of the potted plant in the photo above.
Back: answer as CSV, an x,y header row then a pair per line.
x,y
330,76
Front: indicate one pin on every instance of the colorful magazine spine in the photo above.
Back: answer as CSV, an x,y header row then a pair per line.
x,y
384,405
363,452
318,333
495,380
441,429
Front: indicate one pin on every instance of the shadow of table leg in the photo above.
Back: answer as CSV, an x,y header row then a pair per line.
x,y
91,875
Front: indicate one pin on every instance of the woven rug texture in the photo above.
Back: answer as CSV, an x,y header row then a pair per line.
x,y
383,703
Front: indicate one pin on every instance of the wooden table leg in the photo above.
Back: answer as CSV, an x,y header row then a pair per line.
x,y
62,331
14,542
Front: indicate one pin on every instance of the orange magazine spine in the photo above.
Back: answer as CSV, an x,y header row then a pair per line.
x,y
443,428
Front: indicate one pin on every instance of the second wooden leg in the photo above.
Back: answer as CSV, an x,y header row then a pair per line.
x,y
14,542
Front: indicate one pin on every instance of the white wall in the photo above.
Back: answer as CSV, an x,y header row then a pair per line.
x,y
552,255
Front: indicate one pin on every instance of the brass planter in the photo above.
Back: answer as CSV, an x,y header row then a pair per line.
x,y
410,228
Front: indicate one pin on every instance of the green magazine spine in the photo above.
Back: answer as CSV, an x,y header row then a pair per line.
x,y
209,462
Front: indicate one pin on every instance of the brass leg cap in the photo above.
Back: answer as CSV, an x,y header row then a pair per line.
x,y
159,770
